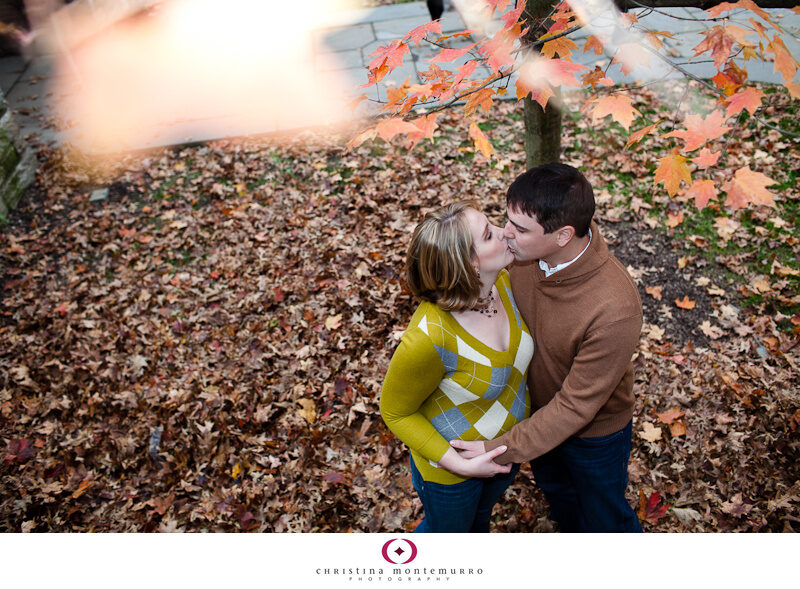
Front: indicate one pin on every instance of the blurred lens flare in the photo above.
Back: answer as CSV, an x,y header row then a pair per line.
x,y
198,69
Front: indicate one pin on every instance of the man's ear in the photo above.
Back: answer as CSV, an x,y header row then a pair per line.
x,y
565,235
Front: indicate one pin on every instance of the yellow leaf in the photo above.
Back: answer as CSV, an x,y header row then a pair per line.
x,y
308,411
333,322
562,46
672,169
481,143
237,470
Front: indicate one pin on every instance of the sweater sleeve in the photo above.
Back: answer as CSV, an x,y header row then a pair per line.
x,y
414,373
601,362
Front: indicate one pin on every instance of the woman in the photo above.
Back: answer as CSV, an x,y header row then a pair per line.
x,y
459,371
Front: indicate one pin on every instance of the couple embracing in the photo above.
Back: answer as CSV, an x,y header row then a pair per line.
x,y
532,363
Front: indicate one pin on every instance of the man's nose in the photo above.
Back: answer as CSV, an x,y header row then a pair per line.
x,y
508,232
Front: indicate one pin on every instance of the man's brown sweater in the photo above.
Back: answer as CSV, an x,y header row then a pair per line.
x,y
585,321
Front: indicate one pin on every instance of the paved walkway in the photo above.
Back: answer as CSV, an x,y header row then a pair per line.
x,y
344,47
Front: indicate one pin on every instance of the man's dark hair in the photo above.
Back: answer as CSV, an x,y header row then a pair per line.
x,y
556,194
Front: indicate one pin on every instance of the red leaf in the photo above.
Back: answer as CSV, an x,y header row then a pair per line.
x,y
451,54
389,55
650,510
417,34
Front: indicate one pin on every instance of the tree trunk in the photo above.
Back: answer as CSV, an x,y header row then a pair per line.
x,y
542,126
542,132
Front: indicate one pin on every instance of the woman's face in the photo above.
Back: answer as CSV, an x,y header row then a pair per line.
x,y
491,248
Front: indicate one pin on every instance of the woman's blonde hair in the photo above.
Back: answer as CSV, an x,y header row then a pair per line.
x,y
439,263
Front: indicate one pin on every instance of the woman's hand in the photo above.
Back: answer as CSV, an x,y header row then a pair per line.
x,y
482,465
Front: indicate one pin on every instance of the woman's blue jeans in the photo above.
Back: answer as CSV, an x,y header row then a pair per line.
x,y
584,481
461,507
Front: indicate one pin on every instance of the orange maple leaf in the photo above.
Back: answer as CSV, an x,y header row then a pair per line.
x,y
784,62
706,158
498,5
563,46
702,191
555,72
637,136
594,44
595,77
725,83
390,55
619,106
481,142
388,128
482,98
365,135
464,72
418,34
667,417
672,169
542,94
748,187
699,130
749,98
498,50
685,303
715,11
451,54
794,89
719,42
426,125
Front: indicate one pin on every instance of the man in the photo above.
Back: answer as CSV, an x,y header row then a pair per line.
x,y
585,316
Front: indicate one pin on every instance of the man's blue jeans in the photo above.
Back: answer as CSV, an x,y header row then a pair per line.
x,y
584,480
461,507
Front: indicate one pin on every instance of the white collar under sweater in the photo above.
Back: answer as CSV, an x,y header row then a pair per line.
x,y
548,271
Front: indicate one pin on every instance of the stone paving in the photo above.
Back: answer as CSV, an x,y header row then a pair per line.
x,y
343,48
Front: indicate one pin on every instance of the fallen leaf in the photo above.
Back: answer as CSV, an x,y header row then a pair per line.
x,y
333,322
650,509
308,411
685,303
654,291
686,515
669,416
85,485
677,429
712,331
650,432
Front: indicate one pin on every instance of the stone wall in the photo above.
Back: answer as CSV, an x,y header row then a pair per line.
x,y
17,162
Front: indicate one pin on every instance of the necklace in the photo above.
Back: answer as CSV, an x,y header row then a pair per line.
x,y
487,307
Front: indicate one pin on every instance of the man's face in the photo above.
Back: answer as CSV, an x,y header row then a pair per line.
x,y
527,239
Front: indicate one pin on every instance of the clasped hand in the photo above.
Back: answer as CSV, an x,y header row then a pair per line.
x,y
474,460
